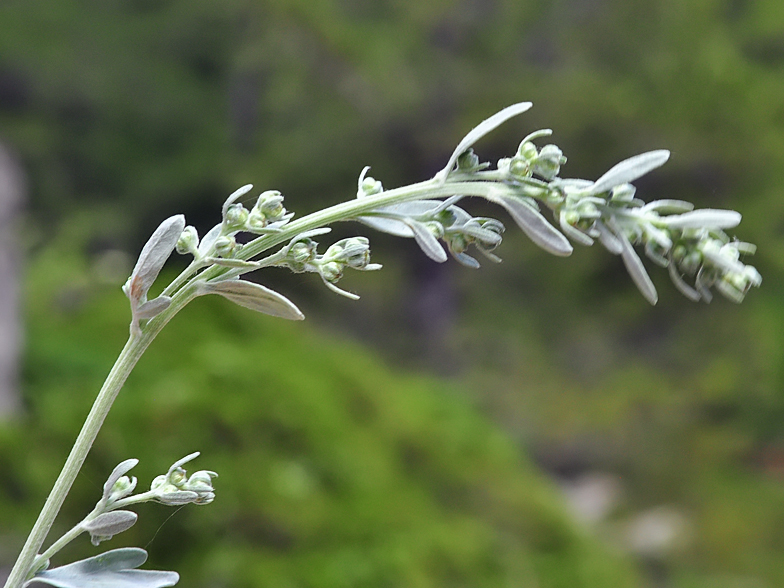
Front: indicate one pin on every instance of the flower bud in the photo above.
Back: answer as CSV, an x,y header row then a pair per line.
x,y
188,241
122,487
236,217
549,162
436,228
300,254
371,186
519,167
527,151
331,271
225,246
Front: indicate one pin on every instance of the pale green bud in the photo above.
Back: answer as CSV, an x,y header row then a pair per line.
x,y
519,167
527,151
225,246
331,271
270,205
122,487
549,162
236,217
436,228
188,241
371,186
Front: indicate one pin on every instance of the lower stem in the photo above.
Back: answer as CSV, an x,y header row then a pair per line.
x,y
129,356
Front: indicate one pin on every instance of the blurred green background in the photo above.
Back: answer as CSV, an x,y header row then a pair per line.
x,y
534,424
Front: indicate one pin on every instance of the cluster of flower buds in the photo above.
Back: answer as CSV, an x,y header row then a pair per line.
x,y
175,488
529,160
301,255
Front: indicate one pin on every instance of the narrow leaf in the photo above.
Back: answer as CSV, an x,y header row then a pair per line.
x,y
427,241
637,270
117,473
153,308
466,260
253,296
209,240
536,226
609,239
574,233
629,170
154,254
387,225
681,284
668,206
480,131
113,569
707,218
234,196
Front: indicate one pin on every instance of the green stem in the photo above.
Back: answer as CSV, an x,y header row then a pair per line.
x,y
129,356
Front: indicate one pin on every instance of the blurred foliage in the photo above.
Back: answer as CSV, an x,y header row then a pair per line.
x,y
334,471
153,107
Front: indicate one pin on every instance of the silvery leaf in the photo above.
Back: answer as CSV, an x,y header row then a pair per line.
x,y
253,296
681,285
108,524
574,233
113,569
177,498
481,130
117,473
704,218
637,270
154,254
535,226
668,206
609,239
427,241
153,308
726,263
466,260
234,196
336,290
629,170
391,219
387,225
209,240
658,236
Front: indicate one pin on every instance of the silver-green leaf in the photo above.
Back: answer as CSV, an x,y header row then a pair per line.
x,y
253,296
480,131
629,170
536,226
113,569
108,524
153,308
704,218
427,241
154,254
636,270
